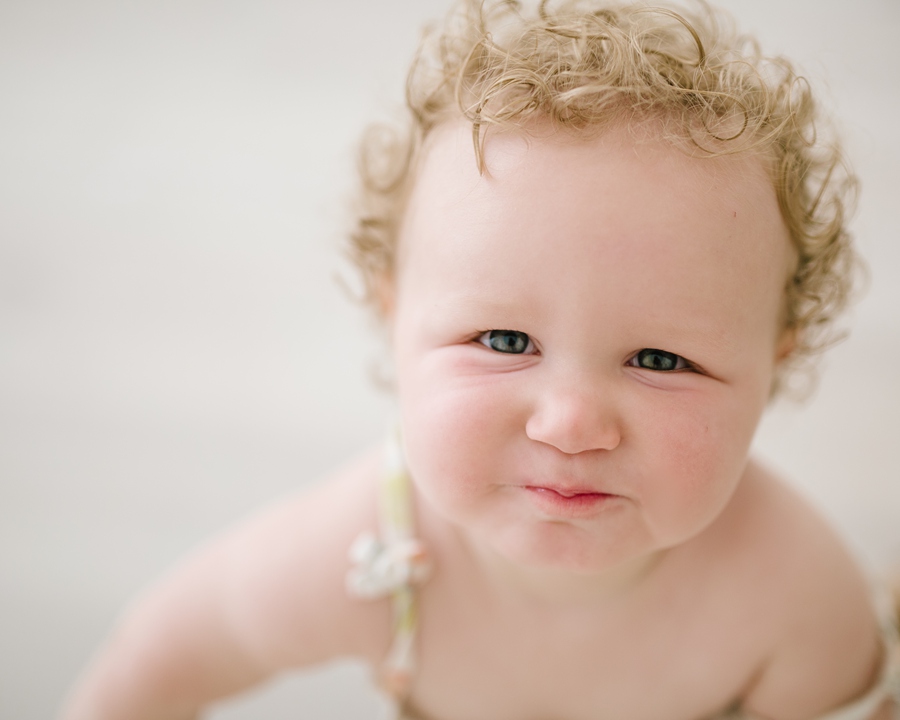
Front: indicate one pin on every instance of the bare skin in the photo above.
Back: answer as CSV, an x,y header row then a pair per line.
x,y
715,623
534,317
669,647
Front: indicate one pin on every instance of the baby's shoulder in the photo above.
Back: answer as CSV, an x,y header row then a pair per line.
x,y
814,597
287,568
783,537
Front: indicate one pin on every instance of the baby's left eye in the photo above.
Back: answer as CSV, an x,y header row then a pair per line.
x,y
658,360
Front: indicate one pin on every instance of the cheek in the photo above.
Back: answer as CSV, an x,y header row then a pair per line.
x,y
441,396
452,431
698,456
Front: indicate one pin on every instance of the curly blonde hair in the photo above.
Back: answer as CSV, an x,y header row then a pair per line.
x,y
584,64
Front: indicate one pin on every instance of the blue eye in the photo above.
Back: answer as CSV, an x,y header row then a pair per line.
x,y
507,341
658,360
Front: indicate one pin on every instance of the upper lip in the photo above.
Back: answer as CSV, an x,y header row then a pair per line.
x,y
568,490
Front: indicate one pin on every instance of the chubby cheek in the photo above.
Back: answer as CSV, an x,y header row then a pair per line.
x,y
696,459
453,431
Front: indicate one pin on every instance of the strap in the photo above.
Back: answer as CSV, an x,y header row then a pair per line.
x,y
392,565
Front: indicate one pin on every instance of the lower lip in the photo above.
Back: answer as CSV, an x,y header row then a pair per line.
x,y
579,505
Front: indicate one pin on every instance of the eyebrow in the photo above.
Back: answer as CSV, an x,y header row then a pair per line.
x,y
469,303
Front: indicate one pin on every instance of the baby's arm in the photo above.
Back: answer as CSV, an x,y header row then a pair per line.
x,y
265,597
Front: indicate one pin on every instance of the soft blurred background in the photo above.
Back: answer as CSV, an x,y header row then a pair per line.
x,y
175,345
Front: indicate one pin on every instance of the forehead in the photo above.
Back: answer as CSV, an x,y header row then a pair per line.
x,y
547,173
552,204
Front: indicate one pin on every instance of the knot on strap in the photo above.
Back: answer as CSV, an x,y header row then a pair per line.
x,y
381,569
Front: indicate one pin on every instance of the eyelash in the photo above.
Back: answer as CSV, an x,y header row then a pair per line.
x,y
486,337
680,364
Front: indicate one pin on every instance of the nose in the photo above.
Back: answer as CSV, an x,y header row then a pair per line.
x,y
575,419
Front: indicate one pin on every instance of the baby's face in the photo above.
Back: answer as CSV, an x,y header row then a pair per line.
x,y
585,338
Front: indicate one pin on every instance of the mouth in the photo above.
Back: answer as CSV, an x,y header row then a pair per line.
x,y
569,502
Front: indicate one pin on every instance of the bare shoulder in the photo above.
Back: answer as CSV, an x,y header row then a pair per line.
x,y
827,647
282,573
262,597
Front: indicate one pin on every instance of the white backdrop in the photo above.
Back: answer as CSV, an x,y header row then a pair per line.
x,y
175,350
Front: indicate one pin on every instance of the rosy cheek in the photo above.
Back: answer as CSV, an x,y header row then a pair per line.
x,y
695,465
448,434
454,398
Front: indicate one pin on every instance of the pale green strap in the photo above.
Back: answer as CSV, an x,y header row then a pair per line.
x,y
397,527
391,565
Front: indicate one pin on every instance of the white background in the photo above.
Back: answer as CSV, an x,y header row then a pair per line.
x,y
175,349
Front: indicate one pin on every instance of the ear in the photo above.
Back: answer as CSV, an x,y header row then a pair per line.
x,y
787,343
384,295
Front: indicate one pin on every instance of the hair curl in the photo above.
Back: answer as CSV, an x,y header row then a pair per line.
x,y
584,64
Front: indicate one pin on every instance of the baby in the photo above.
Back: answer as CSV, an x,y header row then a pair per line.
x,y
608,235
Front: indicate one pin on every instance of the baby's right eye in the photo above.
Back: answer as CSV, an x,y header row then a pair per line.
x,y
507,341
